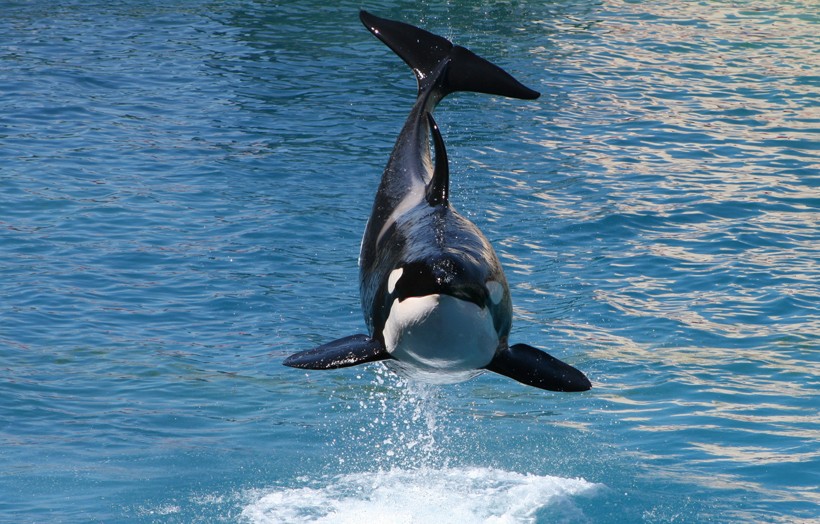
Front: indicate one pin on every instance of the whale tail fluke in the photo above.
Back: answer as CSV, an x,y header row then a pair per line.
x,y
435,59
534,367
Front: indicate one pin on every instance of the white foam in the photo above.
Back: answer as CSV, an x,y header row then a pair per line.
x,y
425,495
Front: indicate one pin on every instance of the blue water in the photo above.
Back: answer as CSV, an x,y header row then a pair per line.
x,y
183,186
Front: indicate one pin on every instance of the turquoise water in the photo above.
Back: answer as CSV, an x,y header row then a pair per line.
x,y
183,187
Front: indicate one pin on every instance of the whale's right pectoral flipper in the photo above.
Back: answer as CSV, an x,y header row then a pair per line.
x,y
534,367
342,353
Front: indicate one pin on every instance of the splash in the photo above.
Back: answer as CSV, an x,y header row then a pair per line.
x,y
410,428
401,459
425,495
397,422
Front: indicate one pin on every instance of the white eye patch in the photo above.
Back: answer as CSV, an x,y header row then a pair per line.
x,y
496,291
394,277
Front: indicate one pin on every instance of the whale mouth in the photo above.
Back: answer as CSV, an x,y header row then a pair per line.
x,y
435,376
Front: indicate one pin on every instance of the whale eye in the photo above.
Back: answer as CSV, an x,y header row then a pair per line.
x,y
496,291
394,277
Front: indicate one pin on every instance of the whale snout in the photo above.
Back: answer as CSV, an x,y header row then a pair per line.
x,y
440,276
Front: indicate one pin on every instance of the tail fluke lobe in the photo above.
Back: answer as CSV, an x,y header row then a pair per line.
x,y
427,53
470,72
420,49
533,367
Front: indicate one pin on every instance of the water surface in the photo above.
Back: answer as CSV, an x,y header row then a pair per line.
x,y
182,192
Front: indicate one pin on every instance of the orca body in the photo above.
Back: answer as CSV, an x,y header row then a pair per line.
x,y
434,295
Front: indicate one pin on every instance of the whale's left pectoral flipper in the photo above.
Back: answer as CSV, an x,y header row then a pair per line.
x,y
534,367
342,353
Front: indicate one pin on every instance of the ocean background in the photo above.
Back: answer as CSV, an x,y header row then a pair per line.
x,y
183,189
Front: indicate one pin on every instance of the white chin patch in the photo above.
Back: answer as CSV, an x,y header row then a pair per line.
x,y
440,334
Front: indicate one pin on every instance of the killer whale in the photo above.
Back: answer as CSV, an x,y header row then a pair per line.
x,y
434,296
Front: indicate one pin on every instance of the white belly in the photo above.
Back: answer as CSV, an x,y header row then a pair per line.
x,y
440,338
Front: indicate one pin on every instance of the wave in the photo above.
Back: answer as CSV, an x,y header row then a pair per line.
x,y
425,495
